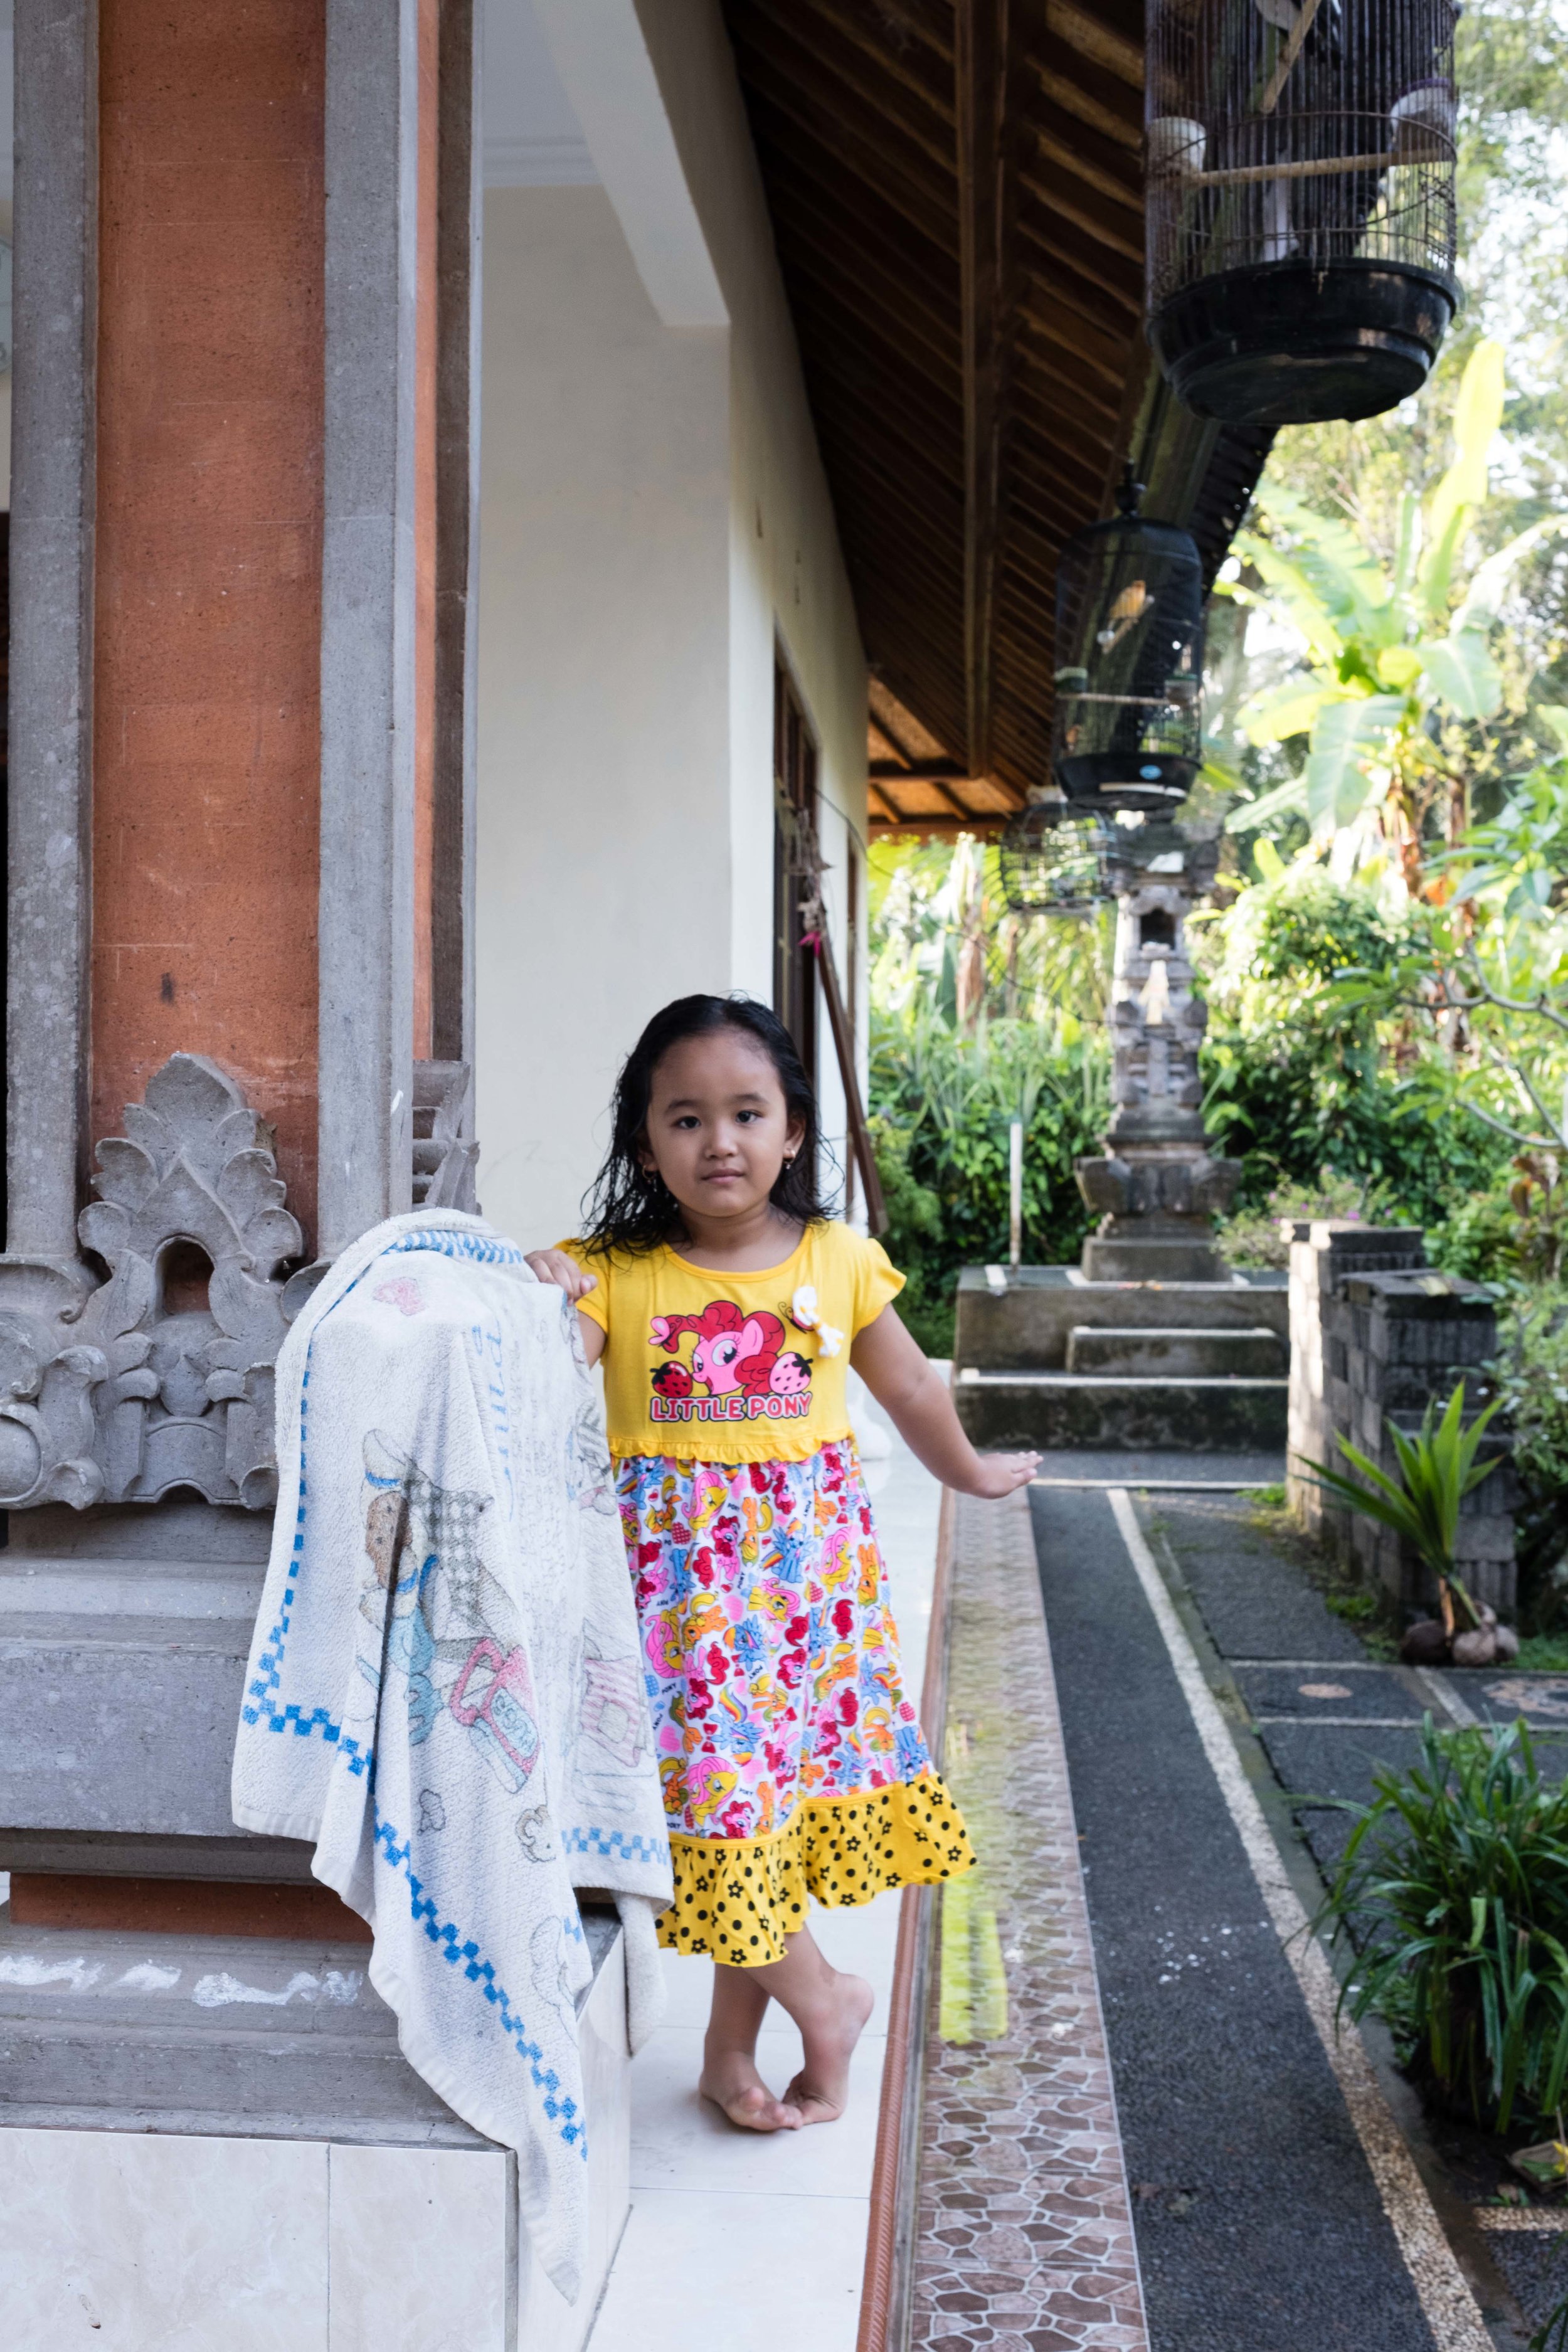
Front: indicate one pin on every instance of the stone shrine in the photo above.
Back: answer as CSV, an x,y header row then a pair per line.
x,y
1158,1187
1152,1341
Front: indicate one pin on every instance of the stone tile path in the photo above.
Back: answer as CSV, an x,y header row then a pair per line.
x,y
1026,2237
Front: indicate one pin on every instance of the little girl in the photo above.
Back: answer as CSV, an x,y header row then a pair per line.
x,y
725,1305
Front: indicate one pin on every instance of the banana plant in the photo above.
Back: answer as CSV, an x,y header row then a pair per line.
x,y
1385,649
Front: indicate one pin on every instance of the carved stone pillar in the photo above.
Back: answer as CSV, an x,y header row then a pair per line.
x,y
1158,1187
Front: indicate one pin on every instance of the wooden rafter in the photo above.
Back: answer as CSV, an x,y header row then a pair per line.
x,y
956,195
981,44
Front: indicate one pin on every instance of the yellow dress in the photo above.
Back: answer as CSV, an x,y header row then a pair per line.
x,y
791,1754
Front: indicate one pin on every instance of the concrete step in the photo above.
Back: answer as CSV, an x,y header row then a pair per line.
x,y
1026,1326
112,2030
1054,1409
1175,1353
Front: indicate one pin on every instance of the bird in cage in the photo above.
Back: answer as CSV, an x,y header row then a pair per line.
x,y
1126,611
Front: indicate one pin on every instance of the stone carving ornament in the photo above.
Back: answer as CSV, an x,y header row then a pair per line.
x,y
120,1387
119,1396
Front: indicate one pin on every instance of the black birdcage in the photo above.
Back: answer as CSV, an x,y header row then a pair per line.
x,y
1129,662
1052,868
1300,227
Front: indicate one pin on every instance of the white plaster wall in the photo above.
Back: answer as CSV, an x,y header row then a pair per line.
x,y
654,519
604,863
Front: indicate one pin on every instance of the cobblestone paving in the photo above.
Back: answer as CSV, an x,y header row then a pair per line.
x,y
1025,2235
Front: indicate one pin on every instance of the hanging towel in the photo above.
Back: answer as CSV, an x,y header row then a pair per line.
x,y
445,1693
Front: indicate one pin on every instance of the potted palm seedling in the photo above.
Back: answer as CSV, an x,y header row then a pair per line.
x,y
1438,1469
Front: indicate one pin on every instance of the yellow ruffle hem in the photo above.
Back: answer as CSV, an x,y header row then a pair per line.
x,y
736,1899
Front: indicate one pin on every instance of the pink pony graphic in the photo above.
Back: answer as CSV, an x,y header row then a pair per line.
x,y
735,1354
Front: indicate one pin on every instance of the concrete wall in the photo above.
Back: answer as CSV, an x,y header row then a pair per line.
x,y
653,520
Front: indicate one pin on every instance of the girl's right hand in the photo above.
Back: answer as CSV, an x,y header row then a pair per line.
x,y
1001,1475
554,1265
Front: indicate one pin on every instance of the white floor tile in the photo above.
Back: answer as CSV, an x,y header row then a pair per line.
x,y
861,1941
756,2274
754,2241
141,2244
681,2141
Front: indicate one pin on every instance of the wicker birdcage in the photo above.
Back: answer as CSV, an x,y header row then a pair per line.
x,y
1052,868
1128,731
1300,224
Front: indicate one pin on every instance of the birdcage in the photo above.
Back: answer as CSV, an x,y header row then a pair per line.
x,y
1299,213
1128,731
1052,868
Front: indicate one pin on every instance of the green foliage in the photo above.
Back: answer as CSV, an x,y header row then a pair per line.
x,y
1454,1884
1530,1381
1395,658
1301,1079
942,1104
1438,1469
1553,2337
1478,1240
1255,1237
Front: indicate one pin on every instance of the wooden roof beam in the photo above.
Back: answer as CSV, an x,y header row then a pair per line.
x,y
983,28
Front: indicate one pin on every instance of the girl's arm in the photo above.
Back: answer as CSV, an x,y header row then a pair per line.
x,y
916,1399
554,1265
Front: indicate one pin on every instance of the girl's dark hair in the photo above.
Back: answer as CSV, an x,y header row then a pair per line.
x,y
630,1207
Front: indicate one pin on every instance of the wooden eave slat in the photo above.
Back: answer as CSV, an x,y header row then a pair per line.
x,y
807,44
1091,37
898,328
961,453
926,24
921,66
825,121
1096,98
1059,157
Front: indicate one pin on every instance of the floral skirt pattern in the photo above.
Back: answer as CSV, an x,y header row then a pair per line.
x,y
791,1756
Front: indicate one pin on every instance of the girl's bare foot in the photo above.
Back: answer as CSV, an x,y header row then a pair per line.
x,y
829,2031
729,2078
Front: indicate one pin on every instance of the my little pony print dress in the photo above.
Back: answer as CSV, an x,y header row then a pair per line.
x,y
790,1754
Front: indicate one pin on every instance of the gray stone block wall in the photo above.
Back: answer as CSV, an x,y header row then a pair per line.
x,y
1323,1254
1377,1342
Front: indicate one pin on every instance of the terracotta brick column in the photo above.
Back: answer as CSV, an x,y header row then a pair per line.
x,y
206,733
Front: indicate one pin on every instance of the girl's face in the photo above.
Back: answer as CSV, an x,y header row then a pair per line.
x,y
718,1129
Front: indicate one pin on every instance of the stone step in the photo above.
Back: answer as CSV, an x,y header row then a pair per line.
x,y
290,2035
1175,1352
1026,1325
1059,1409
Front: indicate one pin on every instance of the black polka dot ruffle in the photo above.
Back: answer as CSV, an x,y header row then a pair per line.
x,y
736,1899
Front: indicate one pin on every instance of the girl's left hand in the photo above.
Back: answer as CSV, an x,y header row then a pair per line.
x,y
554,1265
1002,1474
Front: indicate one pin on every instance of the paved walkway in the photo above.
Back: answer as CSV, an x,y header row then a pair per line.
x,y
1259,2223
757,2243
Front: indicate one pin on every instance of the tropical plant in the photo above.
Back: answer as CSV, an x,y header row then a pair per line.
x,y
1483,996
1301,1075
1553,2337
1453,1886
1531,1378
1438,1469
1392,656
942,1104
